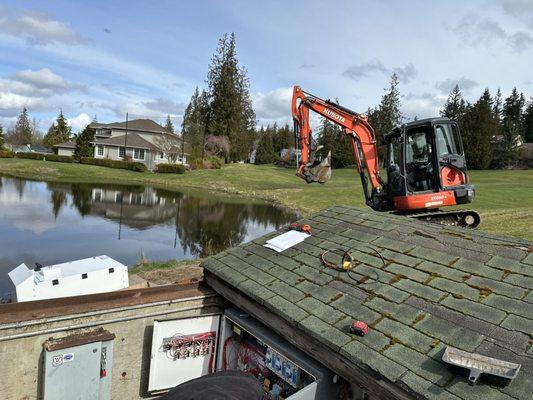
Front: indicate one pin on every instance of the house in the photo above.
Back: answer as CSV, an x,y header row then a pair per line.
x,y
144,141
90,275
66,148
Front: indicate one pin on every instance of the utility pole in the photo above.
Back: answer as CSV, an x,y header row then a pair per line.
x,y
126,136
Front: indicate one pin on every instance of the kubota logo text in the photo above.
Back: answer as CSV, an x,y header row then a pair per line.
x,y
333,115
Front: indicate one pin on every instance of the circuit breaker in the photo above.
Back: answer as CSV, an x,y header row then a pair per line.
x,y
78,367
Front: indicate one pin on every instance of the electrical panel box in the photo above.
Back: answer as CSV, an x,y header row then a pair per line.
x,y
285,372
182,350
78,368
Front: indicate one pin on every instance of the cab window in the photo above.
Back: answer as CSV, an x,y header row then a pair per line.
x,y
447,138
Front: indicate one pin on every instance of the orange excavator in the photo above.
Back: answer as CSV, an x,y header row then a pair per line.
x,y
425,163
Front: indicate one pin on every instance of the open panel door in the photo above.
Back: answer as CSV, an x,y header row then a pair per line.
x,y
182,350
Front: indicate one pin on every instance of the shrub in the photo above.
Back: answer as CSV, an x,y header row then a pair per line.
x,y
104,162
6,154
170,169
58,158
31,156
212,162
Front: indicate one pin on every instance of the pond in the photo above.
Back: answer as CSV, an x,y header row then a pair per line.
x,y
53,222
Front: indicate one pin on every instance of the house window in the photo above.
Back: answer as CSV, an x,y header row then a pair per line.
x,y
84,276
100,150
138,154
121,152
55,282
118,197
161,156
111,270
98,196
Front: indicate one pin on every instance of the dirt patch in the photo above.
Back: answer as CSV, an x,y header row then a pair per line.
x,y
175,274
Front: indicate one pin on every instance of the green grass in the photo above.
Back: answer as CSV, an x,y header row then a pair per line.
x,y
503,198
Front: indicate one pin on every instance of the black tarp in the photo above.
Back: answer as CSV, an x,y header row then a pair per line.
x,y
224,385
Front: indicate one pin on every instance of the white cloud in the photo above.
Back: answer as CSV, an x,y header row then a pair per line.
x,y
274,104
481,32
356,72
42,79
522,9
426,105
446,86
31,89
79,122
38,28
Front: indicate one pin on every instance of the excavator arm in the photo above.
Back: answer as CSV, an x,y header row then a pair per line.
x,y
354,125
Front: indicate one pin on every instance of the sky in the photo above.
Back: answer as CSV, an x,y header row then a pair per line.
x,y
106,58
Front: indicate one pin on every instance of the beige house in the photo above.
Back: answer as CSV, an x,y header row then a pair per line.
x,y
144,140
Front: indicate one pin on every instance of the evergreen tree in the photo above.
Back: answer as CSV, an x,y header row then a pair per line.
x,y
387,115
508,150
479,125
265,149
230,106
455,106
22,133
498,104
193,127
84,146
528,122
283,139
59,131
333,139
169,126
2,139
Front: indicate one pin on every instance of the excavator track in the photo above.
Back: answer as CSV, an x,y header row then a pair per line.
x,y
463,218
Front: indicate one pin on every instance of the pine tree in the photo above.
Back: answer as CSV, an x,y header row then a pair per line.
x,y
283,139
193,127
265,149
22,133
169,126
387,115
84,146
480,125
528,122
333,139
59,131
512,129
455,106
230,106
2,138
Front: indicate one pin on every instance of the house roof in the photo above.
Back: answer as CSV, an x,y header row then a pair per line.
x,y
67,145
144,125
435,286
133,140
20,274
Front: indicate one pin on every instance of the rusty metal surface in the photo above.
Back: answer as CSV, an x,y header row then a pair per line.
x,y
77,339
31,310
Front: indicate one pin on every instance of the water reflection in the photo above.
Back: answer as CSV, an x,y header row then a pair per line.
x,y
50,222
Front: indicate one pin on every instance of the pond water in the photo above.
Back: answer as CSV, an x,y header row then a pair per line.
x,y
51,222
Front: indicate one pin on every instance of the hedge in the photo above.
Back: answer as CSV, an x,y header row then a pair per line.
x,y
6,154
170,168
31,156
104,162
58,158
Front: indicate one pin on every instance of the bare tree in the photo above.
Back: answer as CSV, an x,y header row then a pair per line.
x,y
170,146
217,146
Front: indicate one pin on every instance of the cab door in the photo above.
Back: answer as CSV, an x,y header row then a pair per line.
x,y
450,155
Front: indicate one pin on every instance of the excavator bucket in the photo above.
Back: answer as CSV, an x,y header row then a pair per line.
x,y
318,171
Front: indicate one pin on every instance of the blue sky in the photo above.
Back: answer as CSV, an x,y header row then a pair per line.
x,y
104,58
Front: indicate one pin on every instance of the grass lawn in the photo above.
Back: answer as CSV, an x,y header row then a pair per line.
x,y
503,198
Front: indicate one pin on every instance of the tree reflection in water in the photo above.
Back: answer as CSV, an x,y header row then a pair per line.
x,y
203,225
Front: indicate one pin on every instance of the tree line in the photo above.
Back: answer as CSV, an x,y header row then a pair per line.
x,y
493,128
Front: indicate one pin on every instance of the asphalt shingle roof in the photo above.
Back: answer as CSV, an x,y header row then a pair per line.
x,y
438,286
133,140
144,125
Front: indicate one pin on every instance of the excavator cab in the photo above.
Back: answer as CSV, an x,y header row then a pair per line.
x,y
426,166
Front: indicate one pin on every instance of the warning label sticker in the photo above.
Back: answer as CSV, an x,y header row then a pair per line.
x,y
60,359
